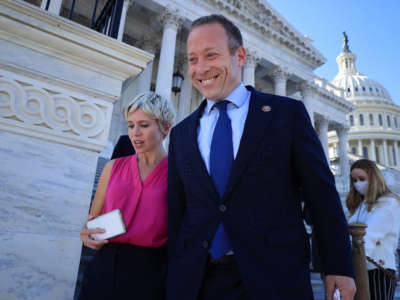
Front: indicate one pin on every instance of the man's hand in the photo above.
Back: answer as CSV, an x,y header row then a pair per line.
x,y
344,284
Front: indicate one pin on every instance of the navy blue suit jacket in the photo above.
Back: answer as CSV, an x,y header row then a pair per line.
x,y
279,151
123,147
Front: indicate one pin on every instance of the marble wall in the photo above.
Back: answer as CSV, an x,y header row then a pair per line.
x,y
58,85
45,191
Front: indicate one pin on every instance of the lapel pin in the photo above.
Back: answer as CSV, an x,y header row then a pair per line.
x,y
266,108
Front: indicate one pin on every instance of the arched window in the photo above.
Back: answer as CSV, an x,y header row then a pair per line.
x,y
351,120
361,120
388,121
395,121
371,119
380,120
348,90
363,88
356,89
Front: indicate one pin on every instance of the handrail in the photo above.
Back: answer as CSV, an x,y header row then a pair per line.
x,y
357,231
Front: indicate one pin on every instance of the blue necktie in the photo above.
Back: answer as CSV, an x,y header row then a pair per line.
x,y
221,158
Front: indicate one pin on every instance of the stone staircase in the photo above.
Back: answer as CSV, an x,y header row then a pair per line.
x,y
317,286
87,254
319,289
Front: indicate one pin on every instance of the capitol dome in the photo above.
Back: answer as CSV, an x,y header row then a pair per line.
x,y
374,126
356,85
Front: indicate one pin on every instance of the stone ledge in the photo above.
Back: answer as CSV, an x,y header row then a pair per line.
x,y
32,27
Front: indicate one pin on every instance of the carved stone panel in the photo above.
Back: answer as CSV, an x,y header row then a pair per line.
x,y
33,108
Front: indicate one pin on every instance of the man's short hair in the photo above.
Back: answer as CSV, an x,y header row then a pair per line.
x,y
234,36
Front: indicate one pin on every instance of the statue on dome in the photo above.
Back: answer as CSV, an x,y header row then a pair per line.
x,y
345,46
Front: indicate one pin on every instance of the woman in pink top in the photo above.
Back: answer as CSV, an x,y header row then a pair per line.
x,y
133,265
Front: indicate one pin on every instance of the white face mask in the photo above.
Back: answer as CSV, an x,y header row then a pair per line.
x,y
361,186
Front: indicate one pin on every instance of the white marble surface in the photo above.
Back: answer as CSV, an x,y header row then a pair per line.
x,y
58,83
44,198
37,266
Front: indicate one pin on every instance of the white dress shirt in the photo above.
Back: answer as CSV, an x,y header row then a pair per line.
x,y
382,233
237,111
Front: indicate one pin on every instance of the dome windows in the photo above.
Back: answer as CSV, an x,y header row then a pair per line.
x,y
388,121
380,120
363,88
361,120
371,119
351,120
356,89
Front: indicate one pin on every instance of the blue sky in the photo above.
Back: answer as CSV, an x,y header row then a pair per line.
x,y
373,28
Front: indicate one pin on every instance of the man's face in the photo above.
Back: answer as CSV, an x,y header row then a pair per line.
x,y
214,72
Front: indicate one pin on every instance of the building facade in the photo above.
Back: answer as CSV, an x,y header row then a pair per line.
x,y
67,70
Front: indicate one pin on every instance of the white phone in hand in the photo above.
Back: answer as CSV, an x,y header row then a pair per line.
x,y
112,222
336,294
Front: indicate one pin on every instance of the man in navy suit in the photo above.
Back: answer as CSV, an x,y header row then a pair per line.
x,y
235,168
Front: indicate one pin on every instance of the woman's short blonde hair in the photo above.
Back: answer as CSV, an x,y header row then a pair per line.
x,y
155,105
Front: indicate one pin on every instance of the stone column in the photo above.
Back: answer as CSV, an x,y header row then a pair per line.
x,y
151,45
171,21
323,123
396,153
385,153
280,77
54,6
344,160
307,91
360,150
373,151
130,89
121,28
390,155
185,96
249,68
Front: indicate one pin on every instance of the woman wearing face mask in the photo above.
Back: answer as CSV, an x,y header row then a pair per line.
x,y
371,202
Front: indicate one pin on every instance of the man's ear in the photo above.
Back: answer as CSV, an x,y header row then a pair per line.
x,y
240,55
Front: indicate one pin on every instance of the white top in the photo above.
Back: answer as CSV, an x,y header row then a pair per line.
x,y
382,233
237,111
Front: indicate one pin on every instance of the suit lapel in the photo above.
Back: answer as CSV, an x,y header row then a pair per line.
x,y
197,164
259,115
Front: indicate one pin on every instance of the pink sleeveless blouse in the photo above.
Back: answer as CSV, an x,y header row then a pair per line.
x,y
143,204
